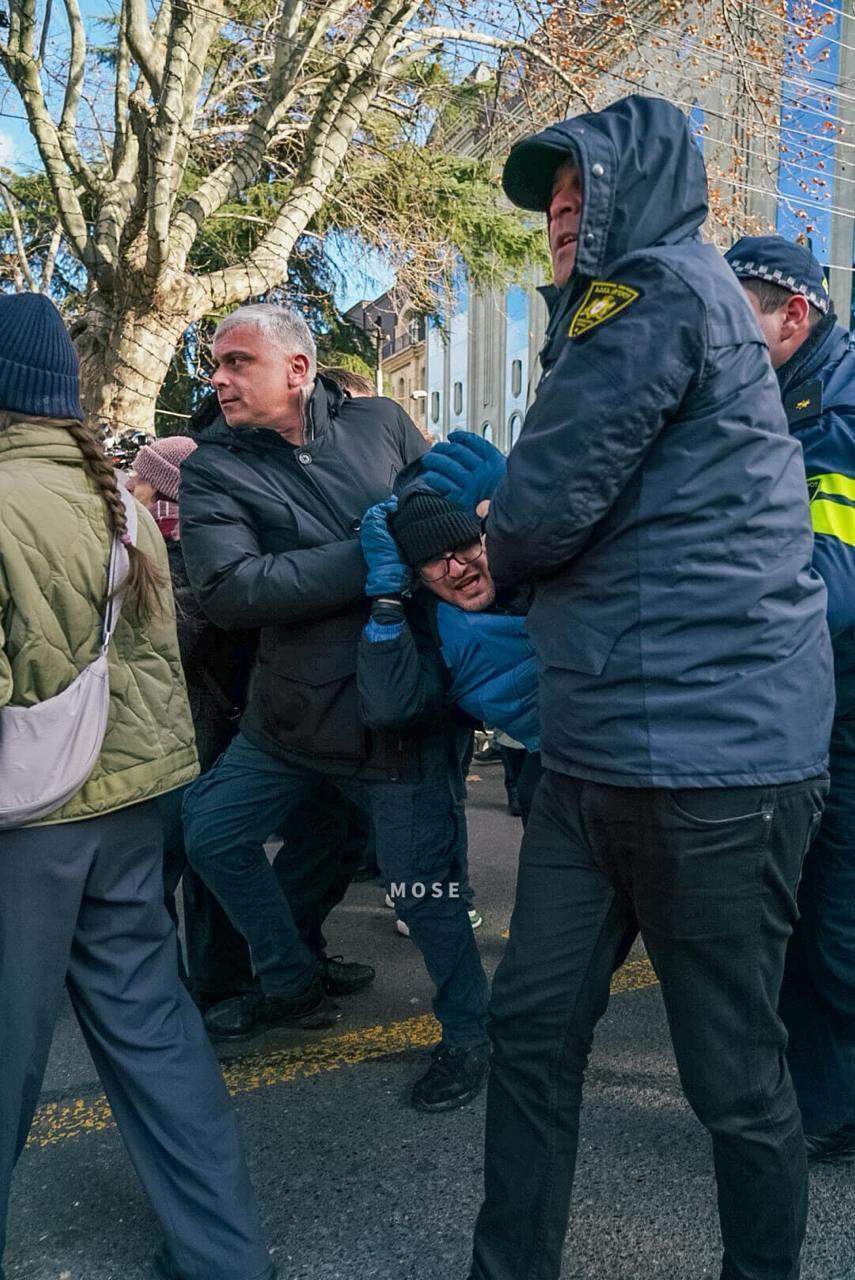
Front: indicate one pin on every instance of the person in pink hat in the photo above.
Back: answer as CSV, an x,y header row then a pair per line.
x,y
154,480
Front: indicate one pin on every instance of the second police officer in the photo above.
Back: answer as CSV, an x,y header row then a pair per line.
x,y
813,358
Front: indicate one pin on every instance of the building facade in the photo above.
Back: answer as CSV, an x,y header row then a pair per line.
x,y
400,344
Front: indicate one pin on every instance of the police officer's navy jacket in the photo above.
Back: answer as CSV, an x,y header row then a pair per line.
x,y
269,532
657,499
818,390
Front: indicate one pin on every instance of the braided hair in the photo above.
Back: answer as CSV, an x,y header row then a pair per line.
x,y
145,582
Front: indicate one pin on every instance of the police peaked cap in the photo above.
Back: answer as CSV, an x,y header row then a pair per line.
x,y
781,262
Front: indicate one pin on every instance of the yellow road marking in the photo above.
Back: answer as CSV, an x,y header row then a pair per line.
x,y
58,1121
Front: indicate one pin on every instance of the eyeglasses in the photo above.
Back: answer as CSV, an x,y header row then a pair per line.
x,y
436,569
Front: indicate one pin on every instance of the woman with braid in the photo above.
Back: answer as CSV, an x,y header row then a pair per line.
x,y
81,891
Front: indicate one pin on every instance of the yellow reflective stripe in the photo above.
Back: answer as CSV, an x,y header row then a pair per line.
x,y
840,486
834,519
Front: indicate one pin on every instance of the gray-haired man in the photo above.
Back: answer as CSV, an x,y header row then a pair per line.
x,y
271,503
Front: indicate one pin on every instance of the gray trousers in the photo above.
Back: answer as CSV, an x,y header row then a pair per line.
x,y
82,903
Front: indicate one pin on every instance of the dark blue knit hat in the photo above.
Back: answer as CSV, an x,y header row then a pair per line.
x,y
38,363
783,262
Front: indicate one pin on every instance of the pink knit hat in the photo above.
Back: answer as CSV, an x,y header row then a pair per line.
x,y
159,463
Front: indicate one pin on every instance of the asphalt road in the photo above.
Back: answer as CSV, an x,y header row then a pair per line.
x,y
356,1186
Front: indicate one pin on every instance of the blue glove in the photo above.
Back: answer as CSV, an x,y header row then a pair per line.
x,y
464,468
387,573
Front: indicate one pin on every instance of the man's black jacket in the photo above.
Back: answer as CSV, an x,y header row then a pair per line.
x,y
269,532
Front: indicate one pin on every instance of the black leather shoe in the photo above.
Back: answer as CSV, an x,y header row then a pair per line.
x,y
163,1268
342,978
245,1016
838,1146
454,1078
312,1010
235,1018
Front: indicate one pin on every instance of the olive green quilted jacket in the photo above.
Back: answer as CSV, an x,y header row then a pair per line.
x,y
54,547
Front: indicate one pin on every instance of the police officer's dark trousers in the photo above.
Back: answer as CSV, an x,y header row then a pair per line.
x,y
818,995
82,902
709,878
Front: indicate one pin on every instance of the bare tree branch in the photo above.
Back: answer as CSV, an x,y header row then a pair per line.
x,y
242,168
121,90
18,234
529,48
50,260
145,46
73,91
18,60
189,38
342,108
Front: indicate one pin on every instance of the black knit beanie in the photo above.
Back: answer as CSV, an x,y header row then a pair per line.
x,y
427,526
38,363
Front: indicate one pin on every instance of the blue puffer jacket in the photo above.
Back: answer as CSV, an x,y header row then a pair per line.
x,y
493,669
656,498
818,389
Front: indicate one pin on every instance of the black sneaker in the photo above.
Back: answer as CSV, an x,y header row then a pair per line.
x,y
341,978
837,1147
454,1078
245,1016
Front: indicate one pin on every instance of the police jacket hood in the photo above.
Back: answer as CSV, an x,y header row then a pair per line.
x,y
643,178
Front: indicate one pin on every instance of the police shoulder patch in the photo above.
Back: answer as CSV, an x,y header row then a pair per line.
x,y
804,401
603,301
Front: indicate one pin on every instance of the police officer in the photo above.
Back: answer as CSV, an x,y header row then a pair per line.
x,y
813,358
657,501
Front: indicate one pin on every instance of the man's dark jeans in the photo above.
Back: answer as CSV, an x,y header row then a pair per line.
x,y
230,811
818,995
329,835
709,878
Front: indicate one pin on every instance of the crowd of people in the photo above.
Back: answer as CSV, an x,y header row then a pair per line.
x,y
652,598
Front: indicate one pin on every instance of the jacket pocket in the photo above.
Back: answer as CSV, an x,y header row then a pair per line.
x,y
307,700
575,646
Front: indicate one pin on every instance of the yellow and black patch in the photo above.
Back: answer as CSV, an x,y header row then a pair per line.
x,y
804,402
604,300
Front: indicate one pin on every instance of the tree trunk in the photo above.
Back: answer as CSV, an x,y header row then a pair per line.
x,y
124,356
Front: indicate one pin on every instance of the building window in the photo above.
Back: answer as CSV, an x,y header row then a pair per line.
x,y
487,431
401,390
434,406
516,377
514,427
458,398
